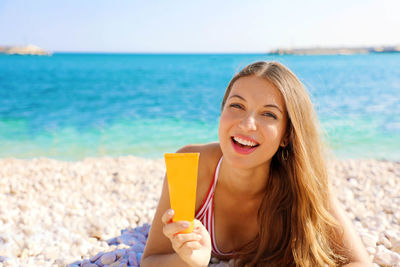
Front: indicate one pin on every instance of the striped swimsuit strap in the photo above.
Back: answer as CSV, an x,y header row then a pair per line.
x,y
206,213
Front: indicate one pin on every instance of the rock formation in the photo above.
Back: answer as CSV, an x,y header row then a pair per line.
x,y
23,50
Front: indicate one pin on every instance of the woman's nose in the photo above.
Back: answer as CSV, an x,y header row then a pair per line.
x,y
248,123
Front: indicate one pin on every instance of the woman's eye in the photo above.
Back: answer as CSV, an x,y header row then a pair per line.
x,y
235,106
269,114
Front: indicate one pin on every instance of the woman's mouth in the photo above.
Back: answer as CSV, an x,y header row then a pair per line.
x,y
242,145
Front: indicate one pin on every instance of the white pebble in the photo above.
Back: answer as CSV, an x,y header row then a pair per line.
x,y
96,257
394,238
383,256
108,258
132,259
368,239
214,260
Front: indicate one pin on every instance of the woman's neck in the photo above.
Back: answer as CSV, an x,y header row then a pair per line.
x,y
244,183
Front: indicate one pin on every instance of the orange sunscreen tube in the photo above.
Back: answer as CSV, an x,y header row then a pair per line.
x,y
182,182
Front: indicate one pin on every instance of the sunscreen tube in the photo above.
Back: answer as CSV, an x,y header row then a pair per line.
x,y
182,182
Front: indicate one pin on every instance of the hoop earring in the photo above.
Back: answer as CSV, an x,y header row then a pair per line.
x,y
284,154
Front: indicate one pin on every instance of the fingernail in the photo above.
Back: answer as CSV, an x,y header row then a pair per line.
x,y
171,212
186,224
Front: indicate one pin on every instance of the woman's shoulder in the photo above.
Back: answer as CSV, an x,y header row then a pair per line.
x,y
210,154
192,148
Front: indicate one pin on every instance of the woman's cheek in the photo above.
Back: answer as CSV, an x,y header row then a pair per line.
x,y
224,128
272,133
224,120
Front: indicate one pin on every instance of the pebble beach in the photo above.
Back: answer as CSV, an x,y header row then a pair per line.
x,y
97,212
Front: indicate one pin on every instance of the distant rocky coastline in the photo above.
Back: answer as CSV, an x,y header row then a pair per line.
x,y
35,50
335,50
23,50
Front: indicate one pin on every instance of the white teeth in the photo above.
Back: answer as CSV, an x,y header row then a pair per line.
x,y
244,142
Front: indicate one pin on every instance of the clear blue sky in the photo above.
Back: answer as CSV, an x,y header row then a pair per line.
x,y
197,26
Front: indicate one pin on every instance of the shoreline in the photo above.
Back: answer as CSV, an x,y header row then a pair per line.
x,y
56,212
330,157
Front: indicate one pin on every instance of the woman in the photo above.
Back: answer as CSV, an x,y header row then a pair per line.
x,y
263,196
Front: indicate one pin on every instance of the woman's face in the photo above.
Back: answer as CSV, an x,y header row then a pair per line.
x,y
253,122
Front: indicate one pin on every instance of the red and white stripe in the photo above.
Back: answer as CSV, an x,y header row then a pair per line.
x,y
206,213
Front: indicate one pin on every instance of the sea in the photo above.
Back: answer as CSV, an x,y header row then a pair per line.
x,y
70,106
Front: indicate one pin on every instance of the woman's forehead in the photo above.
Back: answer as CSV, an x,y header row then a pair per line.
x,y
253,88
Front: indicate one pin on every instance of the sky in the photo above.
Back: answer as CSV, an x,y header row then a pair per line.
x,y
207,26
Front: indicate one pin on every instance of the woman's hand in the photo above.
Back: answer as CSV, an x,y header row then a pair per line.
x,y
193,248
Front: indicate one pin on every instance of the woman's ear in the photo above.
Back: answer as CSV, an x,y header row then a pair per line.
x,y
284,141
286,138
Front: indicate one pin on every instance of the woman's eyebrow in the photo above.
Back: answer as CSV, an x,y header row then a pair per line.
x,y
238,96
273,106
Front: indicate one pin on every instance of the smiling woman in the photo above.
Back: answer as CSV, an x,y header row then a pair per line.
x,y
252,112
263,195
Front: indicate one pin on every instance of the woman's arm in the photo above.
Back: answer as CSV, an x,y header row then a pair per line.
x,y
158,250
357,254
165,247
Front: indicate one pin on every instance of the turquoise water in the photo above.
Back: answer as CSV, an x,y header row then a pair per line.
x,y
72,106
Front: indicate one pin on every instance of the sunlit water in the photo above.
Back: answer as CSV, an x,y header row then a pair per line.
x,y
72,106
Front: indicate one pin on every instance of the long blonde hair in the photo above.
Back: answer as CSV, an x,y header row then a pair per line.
x,y
295,226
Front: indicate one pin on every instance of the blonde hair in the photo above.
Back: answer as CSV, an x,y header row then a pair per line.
x,y
295,226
